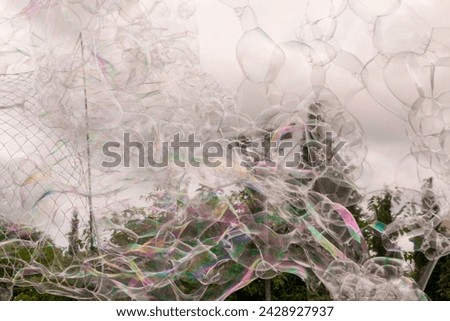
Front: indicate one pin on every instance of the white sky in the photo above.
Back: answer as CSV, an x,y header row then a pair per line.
x,y
389,158
385,135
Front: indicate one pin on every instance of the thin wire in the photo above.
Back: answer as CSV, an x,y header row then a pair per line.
x,y
88,151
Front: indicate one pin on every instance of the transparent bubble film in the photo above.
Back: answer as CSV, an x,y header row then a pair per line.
x,y
180,150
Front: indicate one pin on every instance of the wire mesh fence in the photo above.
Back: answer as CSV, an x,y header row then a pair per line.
x,y
43,189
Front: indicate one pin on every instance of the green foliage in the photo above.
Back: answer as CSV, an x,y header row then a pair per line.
x,y
283,287
30,294
139,225
24,246
438,287
380,205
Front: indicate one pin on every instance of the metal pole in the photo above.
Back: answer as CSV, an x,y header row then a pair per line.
x,y
267,283
268,290
88,151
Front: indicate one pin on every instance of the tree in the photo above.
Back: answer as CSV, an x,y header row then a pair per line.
x,y
381,206
438,284
285,287
74,240
331,182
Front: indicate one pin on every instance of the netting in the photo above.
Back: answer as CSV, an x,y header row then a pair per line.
x,y
128,172
40,173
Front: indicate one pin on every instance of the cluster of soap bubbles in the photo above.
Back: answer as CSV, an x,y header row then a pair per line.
x,y
380,279
418,217
130,71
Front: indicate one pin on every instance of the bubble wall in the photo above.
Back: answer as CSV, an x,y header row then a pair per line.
x,y
105,193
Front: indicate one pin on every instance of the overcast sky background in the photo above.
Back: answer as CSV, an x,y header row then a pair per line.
x,y
385,134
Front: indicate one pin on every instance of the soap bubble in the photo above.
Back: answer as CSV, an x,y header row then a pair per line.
x,y
259,57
